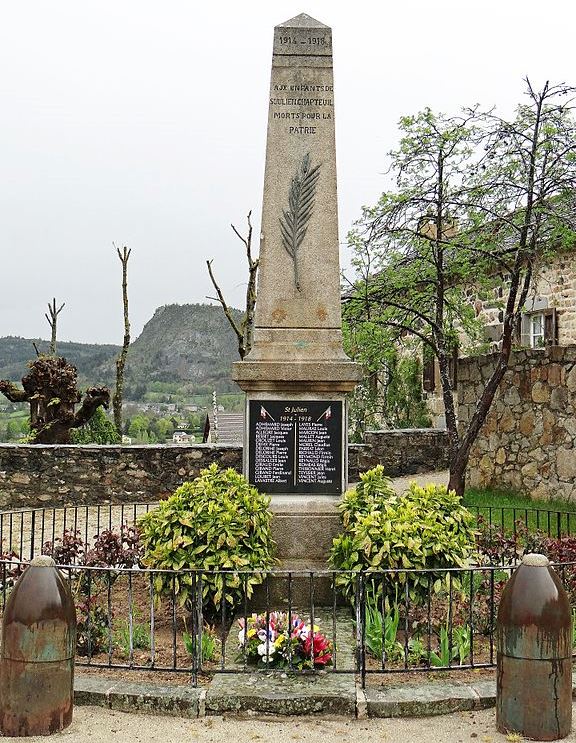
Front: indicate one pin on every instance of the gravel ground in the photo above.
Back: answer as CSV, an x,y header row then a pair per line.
x,y
438,477
93,724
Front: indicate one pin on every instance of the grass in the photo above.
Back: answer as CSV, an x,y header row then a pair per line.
x,y
140,637
505,507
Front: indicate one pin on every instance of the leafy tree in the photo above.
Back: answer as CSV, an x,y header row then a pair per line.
x,y
479,201
162,428
98,430
14,428
390,393
138,427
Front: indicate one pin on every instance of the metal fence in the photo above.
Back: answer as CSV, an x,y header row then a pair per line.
x,y
366,623
395,621
25,531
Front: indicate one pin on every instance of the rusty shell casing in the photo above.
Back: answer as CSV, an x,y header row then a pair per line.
x,y
37,659
534,654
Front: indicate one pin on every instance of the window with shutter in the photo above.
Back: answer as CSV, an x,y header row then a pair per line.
x,y
539,329
550,328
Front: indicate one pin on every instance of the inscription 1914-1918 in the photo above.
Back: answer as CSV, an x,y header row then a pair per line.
x,y
295,446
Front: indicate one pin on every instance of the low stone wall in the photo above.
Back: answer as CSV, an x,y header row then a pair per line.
x,y
57,475
32,475
406,451
527,442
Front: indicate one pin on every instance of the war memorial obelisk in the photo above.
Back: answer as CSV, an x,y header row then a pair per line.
x,y
297,375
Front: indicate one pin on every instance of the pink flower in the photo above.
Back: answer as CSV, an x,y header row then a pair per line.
x,y
322,649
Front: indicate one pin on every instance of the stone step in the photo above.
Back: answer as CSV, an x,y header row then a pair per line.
x,y
275,691
299,582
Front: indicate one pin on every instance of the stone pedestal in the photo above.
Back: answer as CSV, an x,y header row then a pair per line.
x,y
297,375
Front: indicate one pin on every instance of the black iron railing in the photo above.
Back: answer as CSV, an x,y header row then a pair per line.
x,y
366,623
25,531
444,622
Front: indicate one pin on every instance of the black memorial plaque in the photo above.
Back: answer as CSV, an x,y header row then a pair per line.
x,y
295,446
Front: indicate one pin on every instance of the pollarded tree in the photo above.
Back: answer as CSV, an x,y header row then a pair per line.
x,y
118,396
51,391
477,198
52,319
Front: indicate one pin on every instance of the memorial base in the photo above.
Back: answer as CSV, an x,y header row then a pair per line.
x,y
303,528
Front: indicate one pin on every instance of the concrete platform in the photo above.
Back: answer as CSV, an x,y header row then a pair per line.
x,y
329,694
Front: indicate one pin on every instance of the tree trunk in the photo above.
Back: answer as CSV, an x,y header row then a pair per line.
x,y
121,360
50,390
457,481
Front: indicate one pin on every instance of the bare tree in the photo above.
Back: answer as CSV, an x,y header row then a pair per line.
x,y
52,318
245,330
124,255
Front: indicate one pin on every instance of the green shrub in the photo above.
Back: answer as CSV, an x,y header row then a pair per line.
x,y
373,487
98,430
217,522
423,528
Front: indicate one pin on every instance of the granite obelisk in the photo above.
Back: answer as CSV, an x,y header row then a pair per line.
x,y
297,375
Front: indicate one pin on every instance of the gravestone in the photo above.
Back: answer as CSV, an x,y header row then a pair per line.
x,y
297,375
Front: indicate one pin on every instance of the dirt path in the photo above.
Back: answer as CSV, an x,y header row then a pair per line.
x,y
93,724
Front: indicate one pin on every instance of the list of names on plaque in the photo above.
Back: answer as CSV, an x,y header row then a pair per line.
x,y
315,456
295,446
271,452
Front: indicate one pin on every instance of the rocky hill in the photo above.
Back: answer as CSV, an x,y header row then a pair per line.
x,y
190,345
185,343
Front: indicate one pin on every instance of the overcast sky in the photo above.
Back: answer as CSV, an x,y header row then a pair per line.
x,y
144,123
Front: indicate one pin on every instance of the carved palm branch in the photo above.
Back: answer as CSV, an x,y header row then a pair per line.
x,y
294,220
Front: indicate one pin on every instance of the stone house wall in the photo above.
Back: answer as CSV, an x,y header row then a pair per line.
x,y
51,475
554,288
527,441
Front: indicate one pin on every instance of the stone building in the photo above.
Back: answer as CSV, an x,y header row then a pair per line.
x,y
549,319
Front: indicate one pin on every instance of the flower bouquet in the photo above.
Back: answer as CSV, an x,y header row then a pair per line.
x,y
278,643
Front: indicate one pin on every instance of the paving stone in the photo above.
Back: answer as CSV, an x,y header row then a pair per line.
x,y
410,700
282,694
182,701
92,689
486,691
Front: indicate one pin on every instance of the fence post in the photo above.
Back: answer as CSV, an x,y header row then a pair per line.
x,y
360,628
534,653
38,646
199,623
